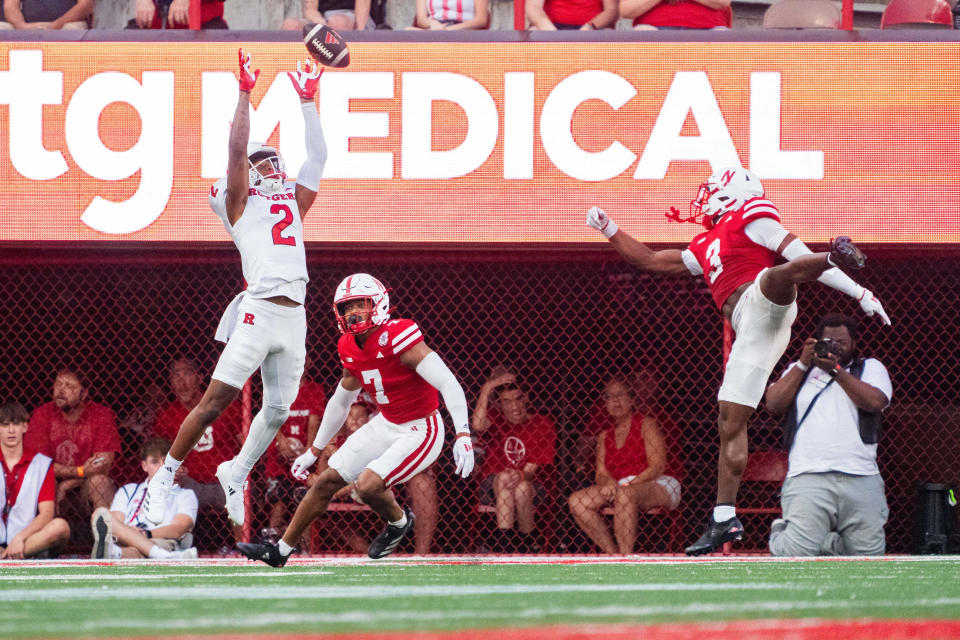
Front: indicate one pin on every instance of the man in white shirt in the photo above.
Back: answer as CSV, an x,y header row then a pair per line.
x,y
833,497
125,532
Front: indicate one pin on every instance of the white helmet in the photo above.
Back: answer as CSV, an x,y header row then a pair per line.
x,y
361,286
724,191
266,167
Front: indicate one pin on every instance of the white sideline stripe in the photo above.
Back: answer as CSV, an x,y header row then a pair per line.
x,y
66,577
367,615
336,592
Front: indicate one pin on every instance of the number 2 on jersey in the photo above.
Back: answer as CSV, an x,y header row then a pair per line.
x,y
373,376
278,237
713,256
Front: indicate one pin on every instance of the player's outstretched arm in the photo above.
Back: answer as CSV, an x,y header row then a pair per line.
x,y
238,177
792,248
305,81
334,415
668,261
431,368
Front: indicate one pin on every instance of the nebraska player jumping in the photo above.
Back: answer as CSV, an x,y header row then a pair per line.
x,y
735,255
390,361
265,326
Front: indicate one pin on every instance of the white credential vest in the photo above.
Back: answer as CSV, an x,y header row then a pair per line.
x,y
269,236
24,509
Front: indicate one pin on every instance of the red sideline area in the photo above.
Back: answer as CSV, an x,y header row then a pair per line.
x,y
809,629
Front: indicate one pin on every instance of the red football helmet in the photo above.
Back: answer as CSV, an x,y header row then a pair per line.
x,y
724,191
361,286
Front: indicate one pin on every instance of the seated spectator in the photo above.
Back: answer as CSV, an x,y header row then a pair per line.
x,y
47,14
571,15
81,436
678,14
27,526
123,530
632,473
342,15
521,444
175,14
440,15
220,441
294,435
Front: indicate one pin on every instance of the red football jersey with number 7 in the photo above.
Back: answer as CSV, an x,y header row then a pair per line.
x,y
726,253
399,392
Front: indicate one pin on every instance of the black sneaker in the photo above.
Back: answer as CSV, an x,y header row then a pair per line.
x,y
716,535
268,553
844,254
384,544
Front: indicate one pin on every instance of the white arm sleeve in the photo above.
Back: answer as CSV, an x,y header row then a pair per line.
x,y
833,278
690,262
766,232
433,370
334,415
312,167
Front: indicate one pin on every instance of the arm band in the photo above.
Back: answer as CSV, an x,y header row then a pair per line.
x,y
334,415
79,472
833,278
433,370
312,167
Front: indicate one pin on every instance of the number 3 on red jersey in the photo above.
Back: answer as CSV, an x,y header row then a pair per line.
x,y
713,255
373,377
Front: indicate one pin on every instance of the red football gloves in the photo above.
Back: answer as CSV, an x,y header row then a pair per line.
x,y
247,79
306,79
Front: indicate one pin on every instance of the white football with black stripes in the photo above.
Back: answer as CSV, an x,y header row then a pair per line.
x,y
325,45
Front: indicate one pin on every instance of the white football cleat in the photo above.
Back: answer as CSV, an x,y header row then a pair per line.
x,y
155,502
233,492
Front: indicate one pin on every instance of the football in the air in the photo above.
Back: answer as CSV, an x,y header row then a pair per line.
x,y
325,45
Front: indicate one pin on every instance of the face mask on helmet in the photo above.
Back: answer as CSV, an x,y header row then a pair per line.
x,y
725,191
267,170
372,310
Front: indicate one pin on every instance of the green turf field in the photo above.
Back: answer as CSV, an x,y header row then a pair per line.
x,y
131,599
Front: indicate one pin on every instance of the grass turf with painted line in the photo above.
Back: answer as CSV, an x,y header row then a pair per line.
x,y
134,599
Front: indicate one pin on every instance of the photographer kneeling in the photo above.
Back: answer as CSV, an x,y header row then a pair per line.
x,y
833,497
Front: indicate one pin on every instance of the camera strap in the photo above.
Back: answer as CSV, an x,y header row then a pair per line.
x,y
812,402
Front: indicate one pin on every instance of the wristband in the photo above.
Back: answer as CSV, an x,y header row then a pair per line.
x,y
835,371
79,472
610,229
802,367
462,434
149,533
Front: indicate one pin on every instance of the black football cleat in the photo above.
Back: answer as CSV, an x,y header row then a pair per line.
x,y
716,535
384,544
268,553
845,254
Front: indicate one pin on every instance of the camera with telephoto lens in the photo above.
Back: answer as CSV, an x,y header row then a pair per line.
x,y
825,346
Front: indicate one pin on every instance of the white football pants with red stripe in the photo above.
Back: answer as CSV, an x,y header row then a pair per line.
x,y
395,452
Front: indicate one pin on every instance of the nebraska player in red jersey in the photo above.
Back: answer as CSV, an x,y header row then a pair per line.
x,y
735,255
390,361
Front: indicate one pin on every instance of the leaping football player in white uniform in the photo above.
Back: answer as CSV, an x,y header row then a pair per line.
x,y
735,255
390,361
265,326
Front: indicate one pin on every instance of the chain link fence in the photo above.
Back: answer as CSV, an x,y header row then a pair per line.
x,y
563,321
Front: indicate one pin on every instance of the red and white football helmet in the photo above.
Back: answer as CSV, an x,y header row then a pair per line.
x,y
724,191
266,167
361,286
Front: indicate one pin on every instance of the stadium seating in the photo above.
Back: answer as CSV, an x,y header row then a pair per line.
x,y
913,14
802,14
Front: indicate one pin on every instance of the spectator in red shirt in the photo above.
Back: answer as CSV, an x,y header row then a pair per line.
x,y
571,15
175,14
27,526
80,435
677,14
633,474
299,429
220,441
521,444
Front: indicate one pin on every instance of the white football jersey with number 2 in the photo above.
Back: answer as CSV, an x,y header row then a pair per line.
x,y
269,236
